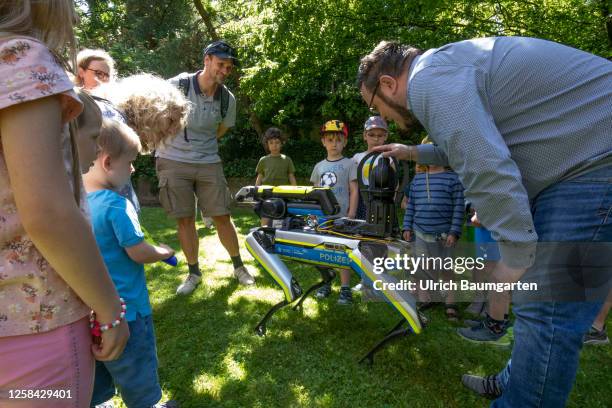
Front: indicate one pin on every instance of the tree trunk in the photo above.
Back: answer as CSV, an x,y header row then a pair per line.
x,y
212,32
207,19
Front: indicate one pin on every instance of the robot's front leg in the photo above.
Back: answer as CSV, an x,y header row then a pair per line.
x,y
327,275
260,245
402,301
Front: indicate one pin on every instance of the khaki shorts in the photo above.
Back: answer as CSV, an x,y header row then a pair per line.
x,y
181,183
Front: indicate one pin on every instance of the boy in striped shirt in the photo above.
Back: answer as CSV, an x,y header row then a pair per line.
x,y
434,218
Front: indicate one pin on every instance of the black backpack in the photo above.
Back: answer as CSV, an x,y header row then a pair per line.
x,y
221,94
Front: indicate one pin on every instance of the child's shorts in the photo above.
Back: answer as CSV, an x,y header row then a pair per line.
x,y
135,372
486,247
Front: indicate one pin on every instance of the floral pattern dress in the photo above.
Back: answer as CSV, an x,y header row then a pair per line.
x,y
33,297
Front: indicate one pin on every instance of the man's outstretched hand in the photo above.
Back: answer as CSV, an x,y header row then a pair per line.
x,y
397,150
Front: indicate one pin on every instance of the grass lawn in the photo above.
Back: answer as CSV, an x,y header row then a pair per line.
x,y
210,356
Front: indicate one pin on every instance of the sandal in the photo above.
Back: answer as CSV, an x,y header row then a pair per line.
x,y
452,312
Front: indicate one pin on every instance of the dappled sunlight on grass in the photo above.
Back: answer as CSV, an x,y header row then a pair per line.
x,y
235,369
301,394
210,356
269,295
209,384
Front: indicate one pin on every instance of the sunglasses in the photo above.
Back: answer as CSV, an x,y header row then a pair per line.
x,y
100,74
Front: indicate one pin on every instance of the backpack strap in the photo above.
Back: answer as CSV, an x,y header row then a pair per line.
x,y
184,85
222,95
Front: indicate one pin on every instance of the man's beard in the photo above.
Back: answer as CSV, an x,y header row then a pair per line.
x,y
219,81
409,124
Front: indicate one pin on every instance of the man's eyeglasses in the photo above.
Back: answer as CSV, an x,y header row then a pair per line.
x,y
372,99
104,76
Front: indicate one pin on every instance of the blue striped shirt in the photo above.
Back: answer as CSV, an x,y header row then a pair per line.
x,y
435,204
513,115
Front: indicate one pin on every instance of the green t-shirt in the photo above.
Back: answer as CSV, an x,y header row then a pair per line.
x,y
275,170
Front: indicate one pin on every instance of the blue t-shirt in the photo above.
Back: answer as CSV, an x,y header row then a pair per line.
x,y
116,227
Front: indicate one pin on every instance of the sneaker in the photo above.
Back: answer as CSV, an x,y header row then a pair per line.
x,y
324,291
482,334
476,308
476,322
488,387
472,322
244,277
189,284
357,287
596,337
346,296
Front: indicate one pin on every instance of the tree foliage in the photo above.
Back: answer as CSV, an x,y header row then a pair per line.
x,y
299,57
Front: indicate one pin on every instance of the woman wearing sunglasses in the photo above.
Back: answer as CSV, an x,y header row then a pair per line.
x,y
94,67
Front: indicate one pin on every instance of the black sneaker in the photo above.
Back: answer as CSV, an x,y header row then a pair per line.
x,y
477,322
488,387
324,291
484,335
596,337
346,296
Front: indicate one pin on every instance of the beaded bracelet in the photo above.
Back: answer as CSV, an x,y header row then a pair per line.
x,y
97,329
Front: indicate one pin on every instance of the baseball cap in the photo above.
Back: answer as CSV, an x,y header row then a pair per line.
x,y
222,49
375,122
335,126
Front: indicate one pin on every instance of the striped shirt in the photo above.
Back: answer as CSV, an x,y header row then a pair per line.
x,y
513,115
435,204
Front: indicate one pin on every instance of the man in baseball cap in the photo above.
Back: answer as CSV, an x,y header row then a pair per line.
x,y
223,50
189,168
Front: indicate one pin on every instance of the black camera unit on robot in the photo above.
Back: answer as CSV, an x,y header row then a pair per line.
x,y
379,195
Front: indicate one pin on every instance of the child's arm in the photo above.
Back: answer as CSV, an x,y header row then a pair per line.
x,y
291,172
31,140
409,214
458,209
131,236
353,191
259,169
145,253
315,178
353,199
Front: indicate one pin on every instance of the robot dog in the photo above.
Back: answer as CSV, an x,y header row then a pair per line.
x,y
311,234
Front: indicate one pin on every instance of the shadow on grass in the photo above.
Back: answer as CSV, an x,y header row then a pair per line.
x,y
210,356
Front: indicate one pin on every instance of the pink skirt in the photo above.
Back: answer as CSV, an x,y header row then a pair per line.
x,y
51,369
